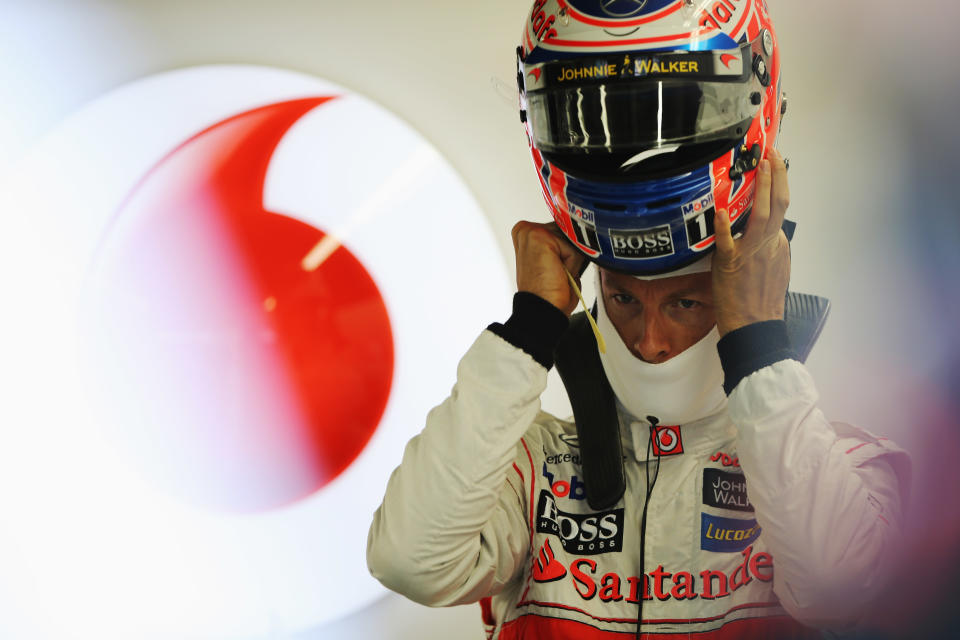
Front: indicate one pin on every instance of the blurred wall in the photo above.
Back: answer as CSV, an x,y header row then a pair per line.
x,y
871,134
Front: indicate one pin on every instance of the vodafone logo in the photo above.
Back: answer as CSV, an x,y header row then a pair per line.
x,y
252,288
258,379
666,440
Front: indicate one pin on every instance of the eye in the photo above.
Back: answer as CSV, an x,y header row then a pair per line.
x,y
622,298
686,303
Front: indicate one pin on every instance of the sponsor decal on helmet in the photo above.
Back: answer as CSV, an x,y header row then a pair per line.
x,y
540,23
700,230
726,534
581,533
667,440
662,584
593,71
703,65
697,206
650,66
721,13
698,219
725,490
728,63
642,244
583,223
575,489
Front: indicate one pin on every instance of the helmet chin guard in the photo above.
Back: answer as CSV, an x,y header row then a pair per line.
x,y
644,117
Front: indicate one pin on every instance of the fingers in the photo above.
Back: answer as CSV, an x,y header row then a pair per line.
x,y
721,225
548,234
780,196
573,260
760,215
544,257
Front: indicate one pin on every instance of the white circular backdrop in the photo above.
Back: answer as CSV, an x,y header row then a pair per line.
x,y
91,538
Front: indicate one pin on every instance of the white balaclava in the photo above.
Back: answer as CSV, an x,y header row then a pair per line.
x,y
681,390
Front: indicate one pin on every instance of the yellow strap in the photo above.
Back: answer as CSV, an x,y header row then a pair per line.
x,y
601,343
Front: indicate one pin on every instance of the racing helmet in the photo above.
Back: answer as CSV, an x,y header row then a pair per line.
x,y
644,116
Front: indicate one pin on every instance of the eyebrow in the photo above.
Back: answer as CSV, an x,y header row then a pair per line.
x,y
673,295
689,291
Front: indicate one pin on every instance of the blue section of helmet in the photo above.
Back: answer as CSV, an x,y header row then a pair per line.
x,y
631,219
619,8
543,53
716,43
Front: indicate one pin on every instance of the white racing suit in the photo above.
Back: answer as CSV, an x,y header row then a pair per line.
x,y
765,519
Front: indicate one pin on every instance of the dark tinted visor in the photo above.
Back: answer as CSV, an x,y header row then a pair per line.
x,y
624,111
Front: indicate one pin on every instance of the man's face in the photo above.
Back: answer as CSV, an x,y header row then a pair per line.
x,y
659,319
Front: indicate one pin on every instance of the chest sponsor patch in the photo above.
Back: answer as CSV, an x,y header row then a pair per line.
x,y
725,459
580,533
572,488
725,490
726,534
667,440
592,580
561,458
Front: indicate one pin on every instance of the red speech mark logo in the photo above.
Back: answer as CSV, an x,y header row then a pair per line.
x,y
667,440
248,380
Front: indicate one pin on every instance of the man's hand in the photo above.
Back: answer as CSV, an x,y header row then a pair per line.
x,y
751,274
542,253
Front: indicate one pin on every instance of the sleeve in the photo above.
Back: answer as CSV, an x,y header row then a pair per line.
x,y
452,526
828,496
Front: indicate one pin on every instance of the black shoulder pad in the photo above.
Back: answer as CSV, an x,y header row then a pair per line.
x,y
595,413
805,316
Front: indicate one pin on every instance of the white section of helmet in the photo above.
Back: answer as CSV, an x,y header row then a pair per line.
x,y
702,265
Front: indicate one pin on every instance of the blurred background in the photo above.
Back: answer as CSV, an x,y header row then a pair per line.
x,y
121,520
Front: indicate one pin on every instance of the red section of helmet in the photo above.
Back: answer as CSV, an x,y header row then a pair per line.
x,y
239,380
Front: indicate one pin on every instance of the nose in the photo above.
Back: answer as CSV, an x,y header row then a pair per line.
x,y
653,343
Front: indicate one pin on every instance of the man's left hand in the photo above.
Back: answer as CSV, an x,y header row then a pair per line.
x,y
751,273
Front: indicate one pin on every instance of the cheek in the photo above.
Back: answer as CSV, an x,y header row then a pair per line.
x,y
625,321
698,329
690,327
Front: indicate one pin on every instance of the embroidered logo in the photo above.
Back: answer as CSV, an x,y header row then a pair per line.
x,y
546,568
725,490
666,440
726,534
725,459
581,533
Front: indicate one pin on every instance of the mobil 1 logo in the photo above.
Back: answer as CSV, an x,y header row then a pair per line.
x,y
580,533
633,244
698,216
583,222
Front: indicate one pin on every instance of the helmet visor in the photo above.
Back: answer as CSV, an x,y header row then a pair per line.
x,y
635,104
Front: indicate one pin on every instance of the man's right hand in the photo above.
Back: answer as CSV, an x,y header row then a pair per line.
x,y
542,253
